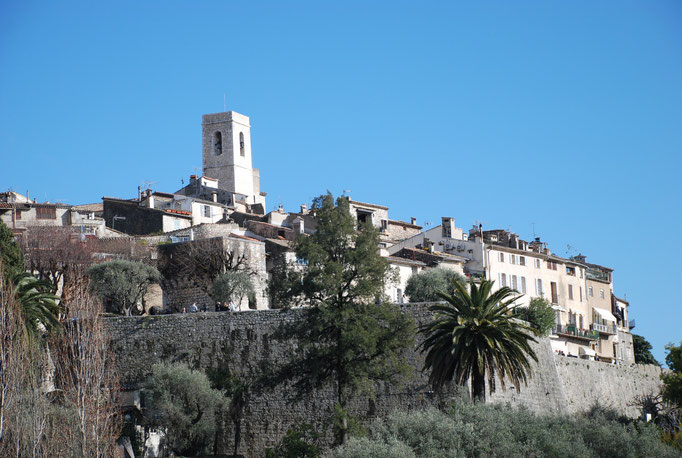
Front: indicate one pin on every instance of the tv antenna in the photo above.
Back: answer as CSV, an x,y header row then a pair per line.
x,y
147,184
346,192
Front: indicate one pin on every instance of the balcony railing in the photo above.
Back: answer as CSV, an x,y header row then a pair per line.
x,y
574,331
596,274
604,328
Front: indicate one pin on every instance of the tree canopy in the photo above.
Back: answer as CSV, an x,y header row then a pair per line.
x,y
426,285
672,389
121,285
233,285
348,338
474,336
181,402
539,314
642,349
11,255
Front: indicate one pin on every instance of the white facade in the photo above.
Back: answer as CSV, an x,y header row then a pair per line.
x,y
227,155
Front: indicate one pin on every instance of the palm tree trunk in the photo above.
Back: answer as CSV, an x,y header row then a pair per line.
x,y
478,386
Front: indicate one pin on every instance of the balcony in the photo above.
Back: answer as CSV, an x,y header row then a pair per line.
x,y
604,328
572,330
596,274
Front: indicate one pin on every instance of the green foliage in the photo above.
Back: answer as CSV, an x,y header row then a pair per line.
x,y
347,338
11,256
503,431
40,307
475,336
426,285
672,381
233,285
299,442
181,402
121,285
642,350
539,314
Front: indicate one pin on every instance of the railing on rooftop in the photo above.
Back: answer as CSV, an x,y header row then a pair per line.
x,y
596,274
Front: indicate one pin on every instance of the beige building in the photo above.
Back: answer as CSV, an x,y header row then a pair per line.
x,y
226,139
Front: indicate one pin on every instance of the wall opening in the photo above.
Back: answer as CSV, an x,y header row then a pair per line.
x,y
217,143
241,144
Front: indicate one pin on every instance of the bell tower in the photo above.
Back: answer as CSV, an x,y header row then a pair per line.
x,y
226,139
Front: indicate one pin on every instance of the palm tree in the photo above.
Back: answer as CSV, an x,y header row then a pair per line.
x,y
39,306
474,335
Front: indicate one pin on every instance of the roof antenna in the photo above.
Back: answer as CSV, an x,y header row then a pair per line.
x,y
224,105
534,236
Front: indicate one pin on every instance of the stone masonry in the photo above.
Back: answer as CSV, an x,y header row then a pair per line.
x,y
243,341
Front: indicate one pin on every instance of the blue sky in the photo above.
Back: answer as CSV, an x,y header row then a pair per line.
x,y
563,118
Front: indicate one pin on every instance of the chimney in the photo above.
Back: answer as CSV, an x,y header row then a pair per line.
x,y
192,178
214,196
139,193
280,208
413,220
448,226
299,226
304,209
150,199
27,197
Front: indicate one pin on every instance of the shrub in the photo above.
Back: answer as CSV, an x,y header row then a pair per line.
x,y
498,430
299,442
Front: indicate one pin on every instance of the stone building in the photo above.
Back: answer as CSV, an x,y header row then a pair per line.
x,y
226,140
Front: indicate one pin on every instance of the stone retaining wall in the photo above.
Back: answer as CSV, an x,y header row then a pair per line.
x,y
242,341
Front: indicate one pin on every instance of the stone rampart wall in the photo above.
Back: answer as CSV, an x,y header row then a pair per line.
x,y
243,341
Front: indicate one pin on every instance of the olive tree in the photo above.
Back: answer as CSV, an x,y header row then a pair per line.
x,y
233,285
182,403
121,285
425,286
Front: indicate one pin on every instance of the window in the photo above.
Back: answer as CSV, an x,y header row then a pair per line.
x,y
555,292
601,293
514,283
399,296
581,294
551,265
217,144
581,322
241,144
570,271
538,288
522,260
590,292
384,225
581,273
537,263
501,257
46,213
18,215
503,280
207,211
523,285
512,258
301,261
570,292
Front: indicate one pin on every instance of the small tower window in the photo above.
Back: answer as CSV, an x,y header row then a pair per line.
x,y
217,144
241,143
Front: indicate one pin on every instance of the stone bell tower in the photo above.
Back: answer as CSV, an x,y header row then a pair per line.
x,y
226,139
